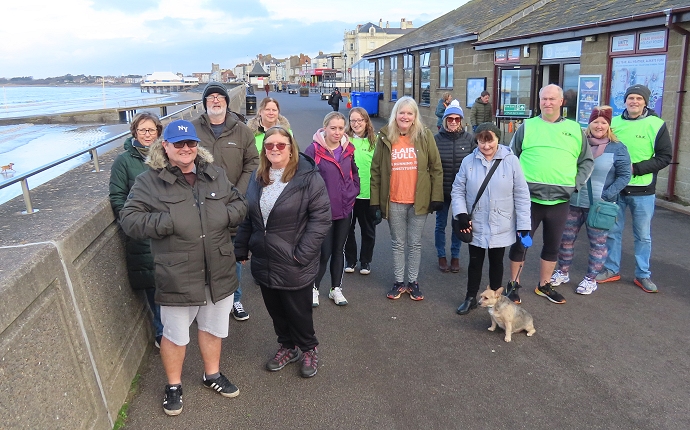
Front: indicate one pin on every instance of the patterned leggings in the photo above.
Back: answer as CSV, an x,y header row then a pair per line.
x,y
597,243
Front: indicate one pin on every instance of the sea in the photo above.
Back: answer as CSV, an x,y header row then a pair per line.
x,y
29,146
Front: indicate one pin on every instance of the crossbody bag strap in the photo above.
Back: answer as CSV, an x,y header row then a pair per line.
x,y
485,183
589,190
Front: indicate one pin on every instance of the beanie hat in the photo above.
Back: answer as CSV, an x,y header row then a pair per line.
x,y
453,108
488,126
640,90
597,112
215,87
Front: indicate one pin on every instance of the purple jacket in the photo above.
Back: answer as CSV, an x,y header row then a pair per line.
x,y
341,178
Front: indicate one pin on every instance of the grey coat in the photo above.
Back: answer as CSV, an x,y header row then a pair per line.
x,y
504,207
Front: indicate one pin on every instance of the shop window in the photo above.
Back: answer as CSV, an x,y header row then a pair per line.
x,y
446,67
408,75
394,78
424,78
515,91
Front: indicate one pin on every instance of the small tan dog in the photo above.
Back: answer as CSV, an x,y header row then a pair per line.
x,y
8,168
506,314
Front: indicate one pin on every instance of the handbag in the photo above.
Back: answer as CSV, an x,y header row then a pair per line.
x,y
602,214
467,237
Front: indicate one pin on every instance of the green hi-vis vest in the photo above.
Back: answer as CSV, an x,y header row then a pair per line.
x,y
639,137
550,152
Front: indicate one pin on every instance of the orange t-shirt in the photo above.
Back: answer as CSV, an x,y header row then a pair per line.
x,y
403,171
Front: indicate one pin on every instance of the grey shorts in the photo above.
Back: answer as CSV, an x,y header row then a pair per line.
x,y
211,318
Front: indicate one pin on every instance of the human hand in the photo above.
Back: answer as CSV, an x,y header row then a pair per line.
x,y
524,238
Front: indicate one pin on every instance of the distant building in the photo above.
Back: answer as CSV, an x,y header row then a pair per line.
x,y
203,77
369,36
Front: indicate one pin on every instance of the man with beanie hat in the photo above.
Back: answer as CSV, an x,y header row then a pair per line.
x,y
454,144
649,144
233,147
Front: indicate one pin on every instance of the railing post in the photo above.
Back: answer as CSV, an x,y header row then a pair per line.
x,y
27,198
94,157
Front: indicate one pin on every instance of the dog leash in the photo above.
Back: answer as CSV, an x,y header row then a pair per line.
x,y
514,282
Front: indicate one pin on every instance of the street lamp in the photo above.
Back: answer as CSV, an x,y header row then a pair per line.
x,y
345,66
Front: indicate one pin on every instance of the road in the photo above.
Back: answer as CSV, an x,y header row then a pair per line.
x,y
618,359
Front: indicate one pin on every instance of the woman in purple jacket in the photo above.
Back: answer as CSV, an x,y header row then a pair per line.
x,y
334,155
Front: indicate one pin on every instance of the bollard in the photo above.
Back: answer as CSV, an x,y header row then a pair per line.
x,y
250,106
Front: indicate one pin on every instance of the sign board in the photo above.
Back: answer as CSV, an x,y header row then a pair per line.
x,y
588,97
515,109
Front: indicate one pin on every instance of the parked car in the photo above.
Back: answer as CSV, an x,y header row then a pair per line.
x,y
293,88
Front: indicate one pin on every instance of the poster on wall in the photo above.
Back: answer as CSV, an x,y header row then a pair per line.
x,y
588,97
646,70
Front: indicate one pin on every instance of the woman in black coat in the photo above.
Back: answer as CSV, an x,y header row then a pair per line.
x,y
289,214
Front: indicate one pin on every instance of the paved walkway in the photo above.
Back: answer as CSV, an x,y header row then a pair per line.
x,y
618,359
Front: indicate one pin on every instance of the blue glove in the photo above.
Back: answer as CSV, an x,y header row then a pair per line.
x,y
525,238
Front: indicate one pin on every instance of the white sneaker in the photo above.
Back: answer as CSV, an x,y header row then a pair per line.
x,y
350,268
587,286
315,298
336,294
559,277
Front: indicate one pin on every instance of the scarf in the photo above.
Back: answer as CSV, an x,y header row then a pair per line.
x,y
598,145
143,150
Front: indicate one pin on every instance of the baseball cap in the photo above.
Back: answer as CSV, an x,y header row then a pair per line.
x,y
180,130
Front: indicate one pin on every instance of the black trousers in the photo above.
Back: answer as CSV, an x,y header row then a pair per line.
x,y
360,214
291,313
333,248
474,270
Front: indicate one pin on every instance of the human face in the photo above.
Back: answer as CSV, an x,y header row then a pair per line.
x,y
277,157
453,122
550,102
216,106
357,123
405,118
145,135
635,105
183,157
485,98
599,128
334,131
489,147
269,115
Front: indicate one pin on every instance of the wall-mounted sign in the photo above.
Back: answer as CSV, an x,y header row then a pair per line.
x,y
500,56
588,97
514,54
623,43
515,109
648,70
652,40
554,51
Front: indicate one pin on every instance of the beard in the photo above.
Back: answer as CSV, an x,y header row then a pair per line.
x,y
216,110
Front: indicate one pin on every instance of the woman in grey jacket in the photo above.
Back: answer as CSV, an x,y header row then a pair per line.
x,y
501,212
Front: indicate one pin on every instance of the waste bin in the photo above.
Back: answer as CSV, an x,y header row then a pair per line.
x,y
251,105
367,100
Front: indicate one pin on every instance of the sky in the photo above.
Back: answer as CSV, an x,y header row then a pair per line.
x,y
45,38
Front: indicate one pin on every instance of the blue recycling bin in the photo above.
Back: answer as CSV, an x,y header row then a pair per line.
x,y
367,100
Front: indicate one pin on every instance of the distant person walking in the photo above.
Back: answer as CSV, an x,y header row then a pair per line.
x,y
481,110
443,103
267,88
334,99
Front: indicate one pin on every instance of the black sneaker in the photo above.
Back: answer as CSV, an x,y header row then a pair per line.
x,y
222,386
310,363
350,268
415,293
172,402
547,291
511,291
398,290
283,357
364,269
238,312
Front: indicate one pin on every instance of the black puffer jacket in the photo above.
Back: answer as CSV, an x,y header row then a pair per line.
x,y
452,147
285,253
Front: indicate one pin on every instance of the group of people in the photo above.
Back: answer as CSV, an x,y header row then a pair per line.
x,y
199,199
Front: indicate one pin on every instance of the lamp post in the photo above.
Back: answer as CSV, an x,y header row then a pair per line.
x,y
345,68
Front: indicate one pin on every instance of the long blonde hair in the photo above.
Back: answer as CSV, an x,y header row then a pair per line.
x,y
262,172
416,129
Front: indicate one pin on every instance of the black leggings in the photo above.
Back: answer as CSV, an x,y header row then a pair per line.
x,y
366,225
474,270
554,218
333,248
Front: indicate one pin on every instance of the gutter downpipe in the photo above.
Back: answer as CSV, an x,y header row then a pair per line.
x,y
673,169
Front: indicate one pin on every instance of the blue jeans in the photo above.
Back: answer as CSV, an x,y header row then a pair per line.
x,y
238,291
642,210
440,234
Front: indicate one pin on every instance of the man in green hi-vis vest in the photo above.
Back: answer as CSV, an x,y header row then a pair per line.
x,y
556,159
649,144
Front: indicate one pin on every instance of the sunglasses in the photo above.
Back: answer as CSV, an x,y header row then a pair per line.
x,y
280,146
453,119
189,143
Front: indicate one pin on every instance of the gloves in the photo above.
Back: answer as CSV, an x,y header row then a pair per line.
x,y
460,222
435,206
375,214
524,238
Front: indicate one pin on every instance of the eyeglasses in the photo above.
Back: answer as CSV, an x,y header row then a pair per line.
x,y
212,98
357,121
454,119
147,131
181,144
280,146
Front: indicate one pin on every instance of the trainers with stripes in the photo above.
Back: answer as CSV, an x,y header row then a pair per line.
x,y
314,297
607,275
552,295
587,286
559,277
172,402
310,363
222,386
283,357
238,312
415,292
336,294
398,290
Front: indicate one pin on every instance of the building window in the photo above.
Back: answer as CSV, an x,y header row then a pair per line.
x,y
380,68
425,78
446,67
394,78
515,92
408,75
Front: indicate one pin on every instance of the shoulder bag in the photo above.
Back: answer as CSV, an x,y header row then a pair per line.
x,y
467,237
602,214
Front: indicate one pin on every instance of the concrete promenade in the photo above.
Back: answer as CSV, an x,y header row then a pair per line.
x,y
618,359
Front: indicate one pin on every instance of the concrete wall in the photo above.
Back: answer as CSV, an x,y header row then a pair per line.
x,y
72,331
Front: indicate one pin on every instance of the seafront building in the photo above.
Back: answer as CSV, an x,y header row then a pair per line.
x,y
512,48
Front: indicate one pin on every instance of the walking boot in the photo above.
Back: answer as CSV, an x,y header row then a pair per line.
x,y
443,264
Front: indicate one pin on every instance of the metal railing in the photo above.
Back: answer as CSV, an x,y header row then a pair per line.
x,y
23,178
